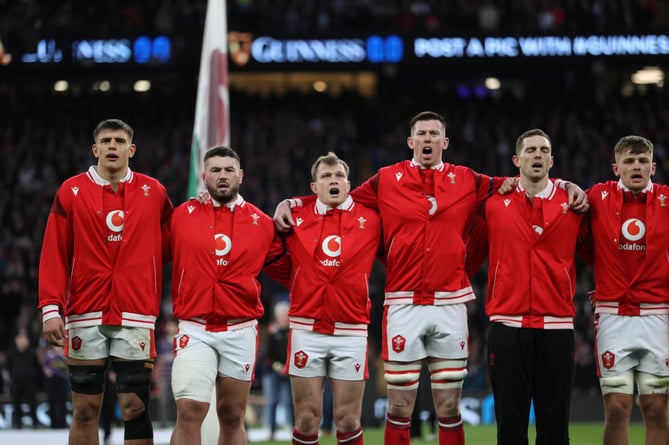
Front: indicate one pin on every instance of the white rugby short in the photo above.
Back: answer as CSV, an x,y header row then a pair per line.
x,y
639,343
96,342
413,332
201,356
312,354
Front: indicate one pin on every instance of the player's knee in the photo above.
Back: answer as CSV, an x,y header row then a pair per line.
x,y
139,427
347,421
448,374
621,384
230,416
86,379
134,377
651,384
402,376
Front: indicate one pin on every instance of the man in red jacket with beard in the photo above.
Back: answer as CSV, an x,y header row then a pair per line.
x,y
218,249
331,250
102,257
630,254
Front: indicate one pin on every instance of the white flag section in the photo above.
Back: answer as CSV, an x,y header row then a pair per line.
x,y
212,123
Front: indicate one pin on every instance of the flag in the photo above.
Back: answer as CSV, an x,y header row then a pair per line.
x,y
212,123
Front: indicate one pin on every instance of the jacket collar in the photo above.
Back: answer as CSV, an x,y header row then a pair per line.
x,y
232,204
94,176
321,209
439,166
546,193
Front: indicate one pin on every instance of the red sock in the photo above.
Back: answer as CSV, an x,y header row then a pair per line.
x,y
350,438
398,431
451,431
304,439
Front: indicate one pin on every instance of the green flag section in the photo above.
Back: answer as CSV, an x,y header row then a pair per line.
x,y
212,123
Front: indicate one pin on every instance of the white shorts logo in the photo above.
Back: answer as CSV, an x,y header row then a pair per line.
x,y
223,244
115,221
332,246
633,229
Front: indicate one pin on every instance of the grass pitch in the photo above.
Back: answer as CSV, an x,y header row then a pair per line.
x,y
580,434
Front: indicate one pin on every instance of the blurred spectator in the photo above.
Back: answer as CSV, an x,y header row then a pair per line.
x,y
25,376
276,382
54,365
162,371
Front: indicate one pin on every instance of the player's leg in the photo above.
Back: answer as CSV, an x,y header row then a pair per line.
x,y
194,373
553,376
232,398
447,350
87,352
653,403
403,352
348,372
87,378
133,350
347,410
447,377
308,403
133,386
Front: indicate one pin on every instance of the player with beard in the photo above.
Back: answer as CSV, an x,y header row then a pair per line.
x,y
630,252
331,251
426,206
105,243
218,249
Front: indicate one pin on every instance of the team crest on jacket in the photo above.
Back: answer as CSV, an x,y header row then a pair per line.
x,y
255,219
662,198
451,176
183,341
565,207
362,222
300,359
146,189
76,343
398,343
608,359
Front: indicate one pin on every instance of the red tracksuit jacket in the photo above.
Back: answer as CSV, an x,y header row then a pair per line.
x,y
76,274
531,272
648,291
214,283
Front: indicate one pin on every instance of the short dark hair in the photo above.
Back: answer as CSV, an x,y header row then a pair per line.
x,y
224,152
113,124
636,145
427,116
529,133
328,159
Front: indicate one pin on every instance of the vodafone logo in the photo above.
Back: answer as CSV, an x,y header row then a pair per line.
x,y
633,229
332,246
222,243
115,221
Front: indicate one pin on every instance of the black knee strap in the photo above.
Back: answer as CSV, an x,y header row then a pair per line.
x,y
138,428
135,377
87,379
